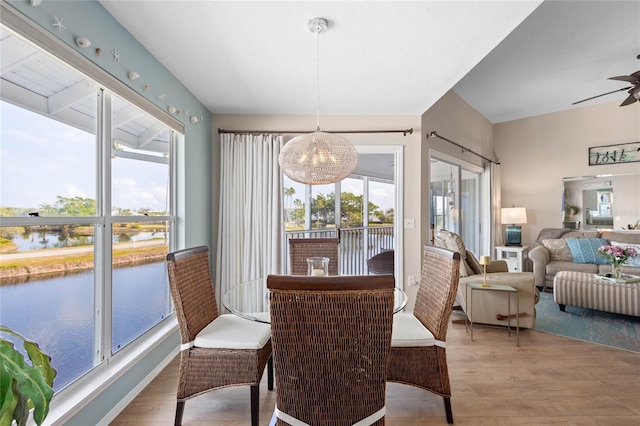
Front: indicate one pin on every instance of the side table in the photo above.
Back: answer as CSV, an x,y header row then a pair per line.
x,y
494,287
515,256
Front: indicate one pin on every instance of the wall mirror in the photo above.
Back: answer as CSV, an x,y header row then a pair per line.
x,y
601,202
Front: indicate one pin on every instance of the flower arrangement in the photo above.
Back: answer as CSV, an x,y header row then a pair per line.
x,y
617,256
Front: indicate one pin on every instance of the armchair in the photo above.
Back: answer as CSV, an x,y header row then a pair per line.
x,y
488,306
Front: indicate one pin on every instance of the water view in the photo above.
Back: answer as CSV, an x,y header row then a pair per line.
x,y
58,313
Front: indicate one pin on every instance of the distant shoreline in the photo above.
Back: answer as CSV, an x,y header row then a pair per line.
x,y
59,263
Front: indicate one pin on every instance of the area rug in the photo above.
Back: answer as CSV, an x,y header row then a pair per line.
x,y
620,331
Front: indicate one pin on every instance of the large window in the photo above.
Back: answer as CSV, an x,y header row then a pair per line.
x,y
86,216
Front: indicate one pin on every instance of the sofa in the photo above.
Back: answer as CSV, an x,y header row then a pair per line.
x,y
490,307
574,250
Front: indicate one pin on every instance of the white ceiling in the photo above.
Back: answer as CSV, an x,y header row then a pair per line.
x,y
378,57
389,57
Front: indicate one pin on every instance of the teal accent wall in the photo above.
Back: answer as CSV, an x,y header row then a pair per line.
x,y
89,19
194,174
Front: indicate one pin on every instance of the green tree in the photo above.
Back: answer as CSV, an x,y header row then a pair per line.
x,y
323,209
74,206
351,210
288,198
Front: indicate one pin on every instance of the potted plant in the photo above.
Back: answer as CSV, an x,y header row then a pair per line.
x,y
24,385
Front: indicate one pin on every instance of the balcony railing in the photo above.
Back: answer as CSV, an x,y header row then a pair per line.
x,y
356,245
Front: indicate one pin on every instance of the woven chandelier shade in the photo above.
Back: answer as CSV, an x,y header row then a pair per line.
x,y
318,158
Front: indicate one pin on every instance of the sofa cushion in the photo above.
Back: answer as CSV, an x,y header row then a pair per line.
x,y
476,267
453,242
581,234
632,261
584,250
558,249
559,265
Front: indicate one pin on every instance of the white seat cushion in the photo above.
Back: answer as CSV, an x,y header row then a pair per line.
x,y
409,332
232,332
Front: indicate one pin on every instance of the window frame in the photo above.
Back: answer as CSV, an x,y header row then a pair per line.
x,y
107,367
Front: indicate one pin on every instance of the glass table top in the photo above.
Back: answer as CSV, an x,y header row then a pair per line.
x,y
250,300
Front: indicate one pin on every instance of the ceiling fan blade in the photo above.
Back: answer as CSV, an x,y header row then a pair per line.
x,y
608,93
626,78
630,99
636,74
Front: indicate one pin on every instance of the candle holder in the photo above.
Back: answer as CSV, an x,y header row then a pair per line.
x,y
318,266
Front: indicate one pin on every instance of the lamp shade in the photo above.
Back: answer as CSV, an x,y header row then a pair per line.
x,y
485,260
318,158
514,215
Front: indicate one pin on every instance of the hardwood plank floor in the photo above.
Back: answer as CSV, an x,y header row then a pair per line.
x,y
546,380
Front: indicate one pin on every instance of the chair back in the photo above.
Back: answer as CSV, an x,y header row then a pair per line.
x,y
331,339
302,248
382,263
192,290
437,291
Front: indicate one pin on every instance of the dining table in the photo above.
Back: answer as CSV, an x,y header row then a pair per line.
x,y
250,300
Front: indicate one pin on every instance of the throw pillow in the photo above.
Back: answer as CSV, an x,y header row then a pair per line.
x,y
558,249
632,261
583,250
473,263
453,242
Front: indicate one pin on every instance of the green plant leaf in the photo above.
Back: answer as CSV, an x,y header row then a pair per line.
x,y
30,384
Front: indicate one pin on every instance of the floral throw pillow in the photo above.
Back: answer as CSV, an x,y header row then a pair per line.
x,y
558,249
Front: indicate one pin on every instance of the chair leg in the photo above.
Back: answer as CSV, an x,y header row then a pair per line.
x,y
255,407
447,409
179,411
270,373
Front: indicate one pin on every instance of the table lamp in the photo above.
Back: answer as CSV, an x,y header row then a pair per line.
x,y
512,217
484,261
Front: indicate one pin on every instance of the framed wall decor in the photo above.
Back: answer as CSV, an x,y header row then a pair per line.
x,y
614,154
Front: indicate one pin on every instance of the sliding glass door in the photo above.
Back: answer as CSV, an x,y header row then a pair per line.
x,y
455,200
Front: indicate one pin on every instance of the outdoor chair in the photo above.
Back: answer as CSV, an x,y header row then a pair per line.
x,y
217,351
331,339
302,248
418,348
381,263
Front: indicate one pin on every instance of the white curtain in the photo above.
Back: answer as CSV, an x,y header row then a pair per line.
x,y
493,170
250,227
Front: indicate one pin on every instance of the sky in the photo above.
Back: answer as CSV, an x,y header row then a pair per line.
x,y
41,159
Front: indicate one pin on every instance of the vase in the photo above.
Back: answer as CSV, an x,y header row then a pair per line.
x,y
615,271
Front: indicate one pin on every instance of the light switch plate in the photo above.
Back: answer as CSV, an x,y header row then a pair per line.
x,y
409,224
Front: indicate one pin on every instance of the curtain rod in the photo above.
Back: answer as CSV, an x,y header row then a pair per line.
x,y
291,132
435,134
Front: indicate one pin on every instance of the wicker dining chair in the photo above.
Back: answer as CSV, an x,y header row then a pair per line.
x,y
418,348
331,340
302,248
382,263
217,351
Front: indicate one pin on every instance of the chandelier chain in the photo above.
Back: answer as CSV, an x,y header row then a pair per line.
x,y
318,77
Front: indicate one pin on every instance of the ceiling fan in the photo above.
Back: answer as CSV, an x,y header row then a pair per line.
x,y
634,91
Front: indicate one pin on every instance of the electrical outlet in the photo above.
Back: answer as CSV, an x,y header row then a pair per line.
x,y
412,280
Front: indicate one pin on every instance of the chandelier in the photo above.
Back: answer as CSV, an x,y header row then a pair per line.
x,y
318,158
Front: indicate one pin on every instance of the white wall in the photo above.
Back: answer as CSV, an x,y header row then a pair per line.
x,y
537,152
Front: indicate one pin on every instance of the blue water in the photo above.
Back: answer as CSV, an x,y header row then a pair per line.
x,y
58,313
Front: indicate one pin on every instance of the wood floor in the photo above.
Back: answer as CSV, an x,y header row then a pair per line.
x,y
547,380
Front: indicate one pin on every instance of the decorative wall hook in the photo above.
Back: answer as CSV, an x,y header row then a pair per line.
x,y
133,75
